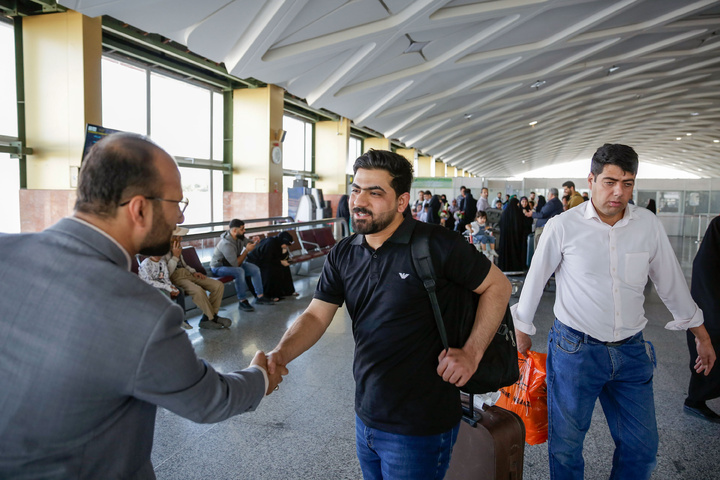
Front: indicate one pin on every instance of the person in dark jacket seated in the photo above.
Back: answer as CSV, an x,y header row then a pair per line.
x,y
272,257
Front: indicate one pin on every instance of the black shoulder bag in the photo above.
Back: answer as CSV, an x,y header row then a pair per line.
x,y
499,365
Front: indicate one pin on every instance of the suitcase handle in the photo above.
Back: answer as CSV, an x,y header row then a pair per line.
x,y
469,415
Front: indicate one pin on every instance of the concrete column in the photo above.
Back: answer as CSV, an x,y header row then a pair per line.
x,y
439,169
412,155
376,143
62,61
424,166
257,180
451,171
460,173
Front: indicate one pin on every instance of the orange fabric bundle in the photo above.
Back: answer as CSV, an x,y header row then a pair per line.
x,y
528,397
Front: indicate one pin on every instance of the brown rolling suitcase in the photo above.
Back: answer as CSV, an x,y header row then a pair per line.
x,y
490,445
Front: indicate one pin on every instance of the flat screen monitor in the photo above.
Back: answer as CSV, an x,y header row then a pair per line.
x,y
93,134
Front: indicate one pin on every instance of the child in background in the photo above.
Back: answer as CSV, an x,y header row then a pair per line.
x,y
482,234
154,271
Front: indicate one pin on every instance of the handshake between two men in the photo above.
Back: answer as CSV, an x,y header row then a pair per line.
x,y
274,374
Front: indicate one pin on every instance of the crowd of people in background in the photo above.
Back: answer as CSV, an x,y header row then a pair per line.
x,y
508,227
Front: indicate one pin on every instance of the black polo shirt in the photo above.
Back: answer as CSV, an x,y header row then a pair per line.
x,y
397,342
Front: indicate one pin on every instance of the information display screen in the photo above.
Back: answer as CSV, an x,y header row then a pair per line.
x,y
93,134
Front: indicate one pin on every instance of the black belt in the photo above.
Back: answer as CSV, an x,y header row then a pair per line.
x,y
590,339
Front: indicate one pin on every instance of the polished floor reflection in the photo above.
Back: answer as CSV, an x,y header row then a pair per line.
x,y
306,429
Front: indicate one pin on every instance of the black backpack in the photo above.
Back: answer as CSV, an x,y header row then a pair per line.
x,y
499,365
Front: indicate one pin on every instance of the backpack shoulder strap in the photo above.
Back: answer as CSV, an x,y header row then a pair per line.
x,y
420,251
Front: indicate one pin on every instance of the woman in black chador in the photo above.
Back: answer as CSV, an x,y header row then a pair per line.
x,y
272,256
705,290
510,247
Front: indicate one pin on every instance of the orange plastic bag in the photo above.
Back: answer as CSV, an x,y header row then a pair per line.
x,y
528,397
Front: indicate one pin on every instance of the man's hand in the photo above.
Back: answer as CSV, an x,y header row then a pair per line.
x,y
275,361
456,366
284,263
174,292
275,378
199,275
528,213
276,369
706,355
524,342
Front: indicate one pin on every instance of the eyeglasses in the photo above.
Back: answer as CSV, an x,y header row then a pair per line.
x,y
182,204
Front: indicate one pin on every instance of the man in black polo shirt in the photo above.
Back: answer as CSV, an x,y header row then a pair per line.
x,y
406,402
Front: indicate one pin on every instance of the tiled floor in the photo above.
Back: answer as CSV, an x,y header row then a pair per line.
x,y
306,429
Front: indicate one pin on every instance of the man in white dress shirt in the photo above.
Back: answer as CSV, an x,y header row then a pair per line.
x,y
602,253
482,202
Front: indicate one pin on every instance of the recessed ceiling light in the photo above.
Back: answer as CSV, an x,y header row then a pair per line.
x,y
538,84
699,169
468,116
533,123
689,134
716,141
614,68
694,114
523,161
678,138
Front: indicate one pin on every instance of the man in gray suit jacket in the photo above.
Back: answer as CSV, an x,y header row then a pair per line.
x,y
87,349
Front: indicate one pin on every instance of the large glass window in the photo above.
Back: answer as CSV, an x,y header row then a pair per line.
x,y
354,151
696,202
180,118
8,98
184,118
297,147
124,96
9,167
669,202
9,194
715,202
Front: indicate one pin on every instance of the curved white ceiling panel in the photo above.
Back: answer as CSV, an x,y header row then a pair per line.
x,y
463,79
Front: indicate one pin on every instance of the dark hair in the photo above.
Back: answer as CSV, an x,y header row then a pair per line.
x,y
540,203
481,213
462,187
116,168
399,168
428,192
569,184
236,223
285,238
614,154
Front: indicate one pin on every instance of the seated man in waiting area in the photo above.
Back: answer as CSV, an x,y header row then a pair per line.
x,y
196,284
229,259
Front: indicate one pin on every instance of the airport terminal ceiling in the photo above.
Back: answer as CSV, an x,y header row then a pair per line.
x,y
497,88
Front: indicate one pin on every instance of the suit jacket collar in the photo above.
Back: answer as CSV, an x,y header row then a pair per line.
x,y
95,239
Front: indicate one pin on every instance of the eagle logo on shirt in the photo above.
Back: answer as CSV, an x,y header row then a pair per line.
x,y
404,275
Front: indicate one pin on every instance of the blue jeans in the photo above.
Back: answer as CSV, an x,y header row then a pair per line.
x,y
391,456
581,369
485,239
239,273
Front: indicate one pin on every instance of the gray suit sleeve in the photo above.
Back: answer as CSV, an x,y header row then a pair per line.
x,y
170,375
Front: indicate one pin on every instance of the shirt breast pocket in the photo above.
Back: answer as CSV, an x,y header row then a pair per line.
x,y
637,266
